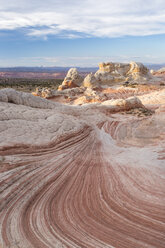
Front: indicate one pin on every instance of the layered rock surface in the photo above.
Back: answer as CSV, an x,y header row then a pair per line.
x,y
83,176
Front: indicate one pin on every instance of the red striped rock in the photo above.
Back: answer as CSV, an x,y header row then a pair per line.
x,y
81,176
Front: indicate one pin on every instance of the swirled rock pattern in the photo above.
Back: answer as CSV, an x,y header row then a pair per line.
x,y
86,176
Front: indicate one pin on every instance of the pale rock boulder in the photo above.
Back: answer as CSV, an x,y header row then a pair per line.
x,y
90,92
96,94
83,100
72,80
50,93
124,104
90,81
89,96
43,92
138,73
37,91
70,91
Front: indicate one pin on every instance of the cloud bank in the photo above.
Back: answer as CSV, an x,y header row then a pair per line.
x,y
87,18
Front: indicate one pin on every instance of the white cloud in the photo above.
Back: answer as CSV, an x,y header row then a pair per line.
x,y
89,18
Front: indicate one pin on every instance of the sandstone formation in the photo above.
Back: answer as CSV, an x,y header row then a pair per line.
x,y
112,72
87,176
138,73
86,166
72,80
69,94
90,81
43,92
109,73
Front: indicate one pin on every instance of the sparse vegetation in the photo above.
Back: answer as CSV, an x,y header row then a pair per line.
x,y
28,85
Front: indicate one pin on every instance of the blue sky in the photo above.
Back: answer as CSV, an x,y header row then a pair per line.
x,y
81,33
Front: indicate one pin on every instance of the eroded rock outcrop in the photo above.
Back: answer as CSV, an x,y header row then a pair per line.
x,y
72,80
138,73
112,72
44,92
83,176
90,81
109,73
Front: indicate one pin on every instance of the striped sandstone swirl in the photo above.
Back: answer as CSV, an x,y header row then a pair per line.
x,y
80,176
